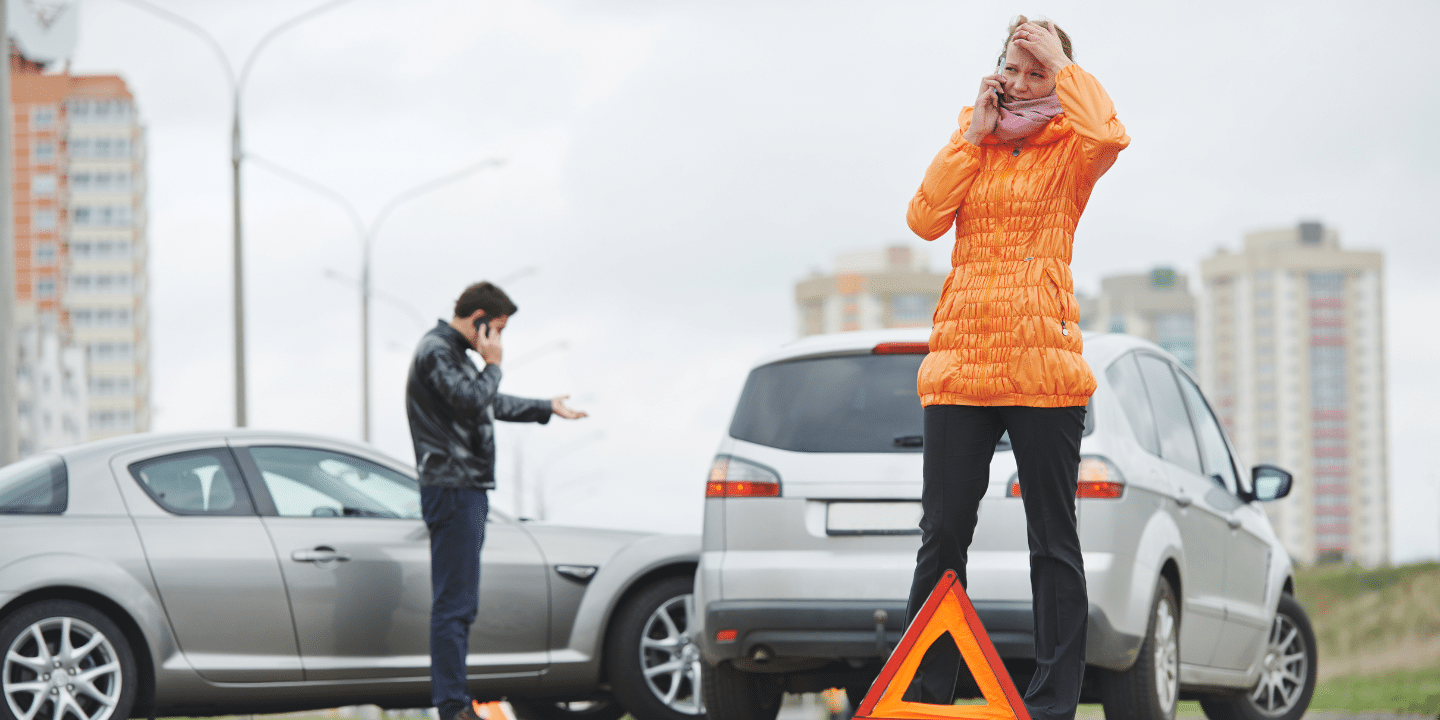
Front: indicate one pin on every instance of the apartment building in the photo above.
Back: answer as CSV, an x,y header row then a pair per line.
x,y
80,242
1156,305
873,289
1291,349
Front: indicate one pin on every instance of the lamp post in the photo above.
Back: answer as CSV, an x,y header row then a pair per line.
x,y
367,234
237,154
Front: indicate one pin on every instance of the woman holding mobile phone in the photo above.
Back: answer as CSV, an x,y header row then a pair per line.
x,y
1005,349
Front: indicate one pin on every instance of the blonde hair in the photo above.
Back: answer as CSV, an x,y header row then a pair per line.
x,y
1048,25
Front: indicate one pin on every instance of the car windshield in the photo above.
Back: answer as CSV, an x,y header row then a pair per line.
x,y
849,403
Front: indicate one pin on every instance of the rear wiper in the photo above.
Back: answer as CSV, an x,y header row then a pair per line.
x,y
910,441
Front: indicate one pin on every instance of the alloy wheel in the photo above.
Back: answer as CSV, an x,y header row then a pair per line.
x,y
1286,665
669,657
61,668
1167,656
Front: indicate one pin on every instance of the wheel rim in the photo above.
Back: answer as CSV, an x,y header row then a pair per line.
x,y
1284,670
61,668
669,658
1167,656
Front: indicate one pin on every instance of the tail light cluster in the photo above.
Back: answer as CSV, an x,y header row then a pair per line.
x,y
733,477
1099,479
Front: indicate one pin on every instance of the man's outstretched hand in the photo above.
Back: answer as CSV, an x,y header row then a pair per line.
x,y
558,406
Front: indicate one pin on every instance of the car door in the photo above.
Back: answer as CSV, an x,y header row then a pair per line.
x,y
1202,523
1247,553
211,560
355,555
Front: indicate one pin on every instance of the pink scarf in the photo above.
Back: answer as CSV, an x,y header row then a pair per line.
x,y
1021,118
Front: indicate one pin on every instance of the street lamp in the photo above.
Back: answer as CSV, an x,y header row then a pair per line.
x,y
367,235
237,86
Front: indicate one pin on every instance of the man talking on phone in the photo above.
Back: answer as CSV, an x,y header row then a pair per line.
x,y
452,406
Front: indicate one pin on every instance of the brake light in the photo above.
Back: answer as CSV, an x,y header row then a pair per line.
x,y
901,348
727,635
733,477
1097,479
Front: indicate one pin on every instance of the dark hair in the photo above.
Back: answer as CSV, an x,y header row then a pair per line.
x,y
484,296
1048,25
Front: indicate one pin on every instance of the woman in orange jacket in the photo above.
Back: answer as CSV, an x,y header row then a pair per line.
x,y
1005,350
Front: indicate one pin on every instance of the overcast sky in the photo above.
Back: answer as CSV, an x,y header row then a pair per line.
x,y
672,168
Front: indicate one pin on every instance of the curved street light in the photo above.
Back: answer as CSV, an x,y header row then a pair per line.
x,y
367,234
237,87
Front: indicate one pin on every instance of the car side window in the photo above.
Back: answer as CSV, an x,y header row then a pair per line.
x,y
1172,420
1124,378
37,485
1213,452
199,482
307,482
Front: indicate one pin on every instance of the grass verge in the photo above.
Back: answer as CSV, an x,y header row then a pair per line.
x,y
1416,691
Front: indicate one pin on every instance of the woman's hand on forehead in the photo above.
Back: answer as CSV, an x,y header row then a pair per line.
x,y
1044,45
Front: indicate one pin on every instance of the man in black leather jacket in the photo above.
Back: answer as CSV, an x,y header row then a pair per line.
x,y
452,407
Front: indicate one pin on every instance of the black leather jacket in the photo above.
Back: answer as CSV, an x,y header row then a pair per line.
x,y
452,406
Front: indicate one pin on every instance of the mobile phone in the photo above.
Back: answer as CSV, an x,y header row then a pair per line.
x,y
485,321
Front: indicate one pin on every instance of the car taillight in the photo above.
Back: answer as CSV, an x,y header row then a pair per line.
x,y
733,477
1097,479
901,348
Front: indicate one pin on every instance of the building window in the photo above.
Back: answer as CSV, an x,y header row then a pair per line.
x,y
43,117
111,352
43,220
99,111
45,253
108,283
42,185
103,216
45,288
100,182
100,147
112,420
112,385
44,151
101,317
912,309
100,249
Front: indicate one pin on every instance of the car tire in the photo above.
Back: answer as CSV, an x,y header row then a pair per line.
x,y
733,694
1287,675
654,664
1150,688
595,709
42,640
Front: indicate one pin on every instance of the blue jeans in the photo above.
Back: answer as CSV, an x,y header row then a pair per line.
x,y
456,519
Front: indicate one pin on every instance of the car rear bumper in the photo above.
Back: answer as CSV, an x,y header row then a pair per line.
x,y
788,631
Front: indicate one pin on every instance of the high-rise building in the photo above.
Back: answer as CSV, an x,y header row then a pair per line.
x,y
869,290
1156,305
1291,339
80,249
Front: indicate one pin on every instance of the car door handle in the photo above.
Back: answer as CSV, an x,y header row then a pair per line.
x,y
1183,500
319,555
1233,521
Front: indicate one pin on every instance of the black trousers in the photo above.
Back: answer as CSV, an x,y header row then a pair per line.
x,y
959,444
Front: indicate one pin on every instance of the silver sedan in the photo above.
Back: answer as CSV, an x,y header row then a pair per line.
x,y
242,572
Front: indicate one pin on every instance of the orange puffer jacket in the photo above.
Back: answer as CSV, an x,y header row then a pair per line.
x,y
1005,328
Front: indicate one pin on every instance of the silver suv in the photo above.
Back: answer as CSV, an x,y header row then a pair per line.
x,y
811,529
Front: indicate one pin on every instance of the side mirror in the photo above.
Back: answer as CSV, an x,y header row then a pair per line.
x,y
1270,482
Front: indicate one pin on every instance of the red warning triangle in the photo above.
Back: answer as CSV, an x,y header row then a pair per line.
x,y
948,609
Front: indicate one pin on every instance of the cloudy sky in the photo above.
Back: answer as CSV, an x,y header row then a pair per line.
x,y
672,168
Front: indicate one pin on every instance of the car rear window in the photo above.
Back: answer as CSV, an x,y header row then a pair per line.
x,y
34,486
848,403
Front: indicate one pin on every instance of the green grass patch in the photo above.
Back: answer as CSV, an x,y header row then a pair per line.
x,y
1359,611
1416,691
